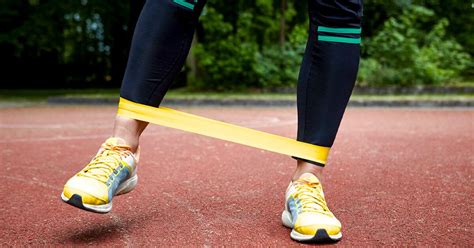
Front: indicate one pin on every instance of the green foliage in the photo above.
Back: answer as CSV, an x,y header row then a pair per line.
x,y
65,41
85,43
225,63
460,14
238,61
278,66
403,53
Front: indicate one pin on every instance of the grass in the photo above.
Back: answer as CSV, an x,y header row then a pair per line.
x,y
466,83
42,95
427,97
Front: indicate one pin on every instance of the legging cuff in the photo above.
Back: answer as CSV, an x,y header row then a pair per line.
x,y
309,161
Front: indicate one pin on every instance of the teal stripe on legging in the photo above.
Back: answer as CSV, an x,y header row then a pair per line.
x,y
340,30
339,39
185,4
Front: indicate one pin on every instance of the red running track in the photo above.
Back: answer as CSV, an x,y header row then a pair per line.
x,y
396,176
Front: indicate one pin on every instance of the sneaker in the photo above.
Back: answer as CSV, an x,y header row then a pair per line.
x,y
113,171
307,213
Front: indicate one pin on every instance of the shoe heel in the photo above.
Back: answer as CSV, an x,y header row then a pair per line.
x,y
127,186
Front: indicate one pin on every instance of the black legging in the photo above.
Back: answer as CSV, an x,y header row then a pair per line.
x,y
163,37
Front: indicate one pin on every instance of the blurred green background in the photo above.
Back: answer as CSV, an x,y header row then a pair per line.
x,y
239,45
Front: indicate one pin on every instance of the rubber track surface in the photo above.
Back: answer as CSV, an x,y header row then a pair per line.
x,y
396,176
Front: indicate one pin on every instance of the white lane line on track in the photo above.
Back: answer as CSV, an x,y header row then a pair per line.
x,y
256,125
57,138
67,138
118,222
32,182
205,225
262,121
269,125
52,126
271,122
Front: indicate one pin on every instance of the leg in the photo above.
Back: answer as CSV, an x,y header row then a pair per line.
x,y
160,44
325,84
328,73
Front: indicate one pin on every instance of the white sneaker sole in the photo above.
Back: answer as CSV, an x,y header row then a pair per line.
x,y
320,236
123,188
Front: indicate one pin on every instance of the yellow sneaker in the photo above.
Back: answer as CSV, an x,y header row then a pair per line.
x,y
111,172
307,213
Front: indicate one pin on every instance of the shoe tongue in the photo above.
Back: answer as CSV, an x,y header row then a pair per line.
x,y
308,177
114,141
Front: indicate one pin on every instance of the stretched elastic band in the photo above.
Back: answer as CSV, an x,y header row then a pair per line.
x,y
221,130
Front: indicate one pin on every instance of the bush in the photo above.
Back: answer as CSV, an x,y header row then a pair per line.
x,y
277,67
225,62
232,59
404,54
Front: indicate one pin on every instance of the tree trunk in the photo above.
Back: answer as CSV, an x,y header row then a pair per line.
x,y
282,22
191,62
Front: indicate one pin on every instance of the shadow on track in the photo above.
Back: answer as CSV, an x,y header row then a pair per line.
x,y
108,231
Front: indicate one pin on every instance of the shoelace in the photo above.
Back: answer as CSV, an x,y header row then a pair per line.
x,y
104,163
311,197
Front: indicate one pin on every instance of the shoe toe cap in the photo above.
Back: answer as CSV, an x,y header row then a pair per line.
x,y
309,224
91,191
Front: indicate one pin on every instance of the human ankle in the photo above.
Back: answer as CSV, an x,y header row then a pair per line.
x,y
132,143
304,169
129,131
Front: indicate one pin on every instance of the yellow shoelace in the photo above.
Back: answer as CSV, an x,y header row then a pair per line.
x,y
310,195
105,163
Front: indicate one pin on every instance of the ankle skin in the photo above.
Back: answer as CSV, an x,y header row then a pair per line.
x,y
129,131
303,167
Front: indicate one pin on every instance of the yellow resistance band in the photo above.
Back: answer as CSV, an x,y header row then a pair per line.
x,y
221,130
